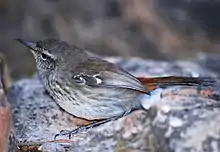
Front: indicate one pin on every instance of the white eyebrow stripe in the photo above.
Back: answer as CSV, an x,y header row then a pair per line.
x,y
49,54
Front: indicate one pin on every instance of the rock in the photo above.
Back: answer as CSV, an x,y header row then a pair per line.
x,y
7,142
174,123
209,61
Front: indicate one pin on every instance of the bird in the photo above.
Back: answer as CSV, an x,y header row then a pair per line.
x,y
91,88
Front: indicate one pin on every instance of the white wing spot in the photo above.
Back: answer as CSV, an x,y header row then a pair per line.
x,y
98,80
79,79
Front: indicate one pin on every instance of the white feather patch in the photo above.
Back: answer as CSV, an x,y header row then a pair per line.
x,y
147,101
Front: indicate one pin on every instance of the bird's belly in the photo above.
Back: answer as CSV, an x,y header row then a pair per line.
x,y
90,112
90,107
93,103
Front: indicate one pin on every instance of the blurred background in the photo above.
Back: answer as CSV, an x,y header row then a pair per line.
x,y
151,29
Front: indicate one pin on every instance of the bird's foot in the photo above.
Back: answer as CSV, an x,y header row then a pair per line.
x,y
71,133
86,128
83,129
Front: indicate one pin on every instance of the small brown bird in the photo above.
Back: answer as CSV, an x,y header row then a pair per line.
x,y
91,88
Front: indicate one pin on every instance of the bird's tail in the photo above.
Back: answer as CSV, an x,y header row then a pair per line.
x,y
163,82
161,87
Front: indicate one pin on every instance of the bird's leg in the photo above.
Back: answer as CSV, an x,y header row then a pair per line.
x,y
88,126
82,129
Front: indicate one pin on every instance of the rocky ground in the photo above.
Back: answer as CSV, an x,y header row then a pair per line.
x,y
177,123
151,29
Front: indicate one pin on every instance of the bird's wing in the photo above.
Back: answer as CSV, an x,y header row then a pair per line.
x,y
100,73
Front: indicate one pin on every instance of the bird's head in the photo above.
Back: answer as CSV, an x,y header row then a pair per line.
x,y
48,52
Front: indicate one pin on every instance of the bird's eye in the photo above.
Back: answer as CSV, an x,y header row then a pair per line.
x,y
43,56
39,45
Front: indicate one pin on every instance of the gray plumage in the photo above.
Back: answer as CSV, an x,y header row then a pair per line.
x,y
83,84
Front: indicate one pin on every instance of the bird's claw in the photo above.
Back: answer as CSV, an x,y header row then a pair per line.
x,y
84,129
72,132
62,133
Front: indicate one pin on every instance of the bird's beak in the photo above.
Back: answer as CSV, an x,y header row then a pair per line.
x,y
29,44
